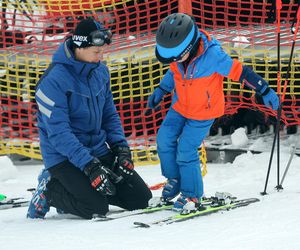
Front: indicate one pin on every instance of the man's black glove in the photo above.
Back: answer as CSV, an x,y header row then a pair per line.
x,y
98,175
124,160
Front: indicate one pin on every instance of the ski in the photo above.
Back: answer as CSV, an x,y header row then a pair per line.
x,y
2,197
124,213
13,203
6,202
204,210
161,207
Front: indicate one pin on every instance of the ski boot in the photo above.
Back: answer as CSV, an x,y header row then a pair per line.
x,y
170,191
39,205
222,198
186,205
158,202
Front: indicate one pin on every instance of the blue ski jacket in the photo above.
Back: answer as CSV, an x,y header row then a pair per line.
x,y
77,118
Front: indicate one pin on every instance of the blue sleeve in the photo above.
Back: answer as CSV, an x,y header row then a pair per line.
x,y
168,83
53,106
253,80
111,121
222,62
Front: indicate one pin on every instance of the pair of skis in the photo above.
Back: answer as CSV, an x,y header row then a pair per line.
x,y
209,206
6,203
204,210
167,205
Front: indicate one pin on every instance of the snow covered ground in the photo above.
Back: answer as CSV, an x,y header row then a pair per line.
x,y
273,223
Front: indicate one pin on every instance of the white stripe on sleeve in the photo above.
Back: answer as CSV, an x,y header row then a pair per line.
x,y
40,94
44,110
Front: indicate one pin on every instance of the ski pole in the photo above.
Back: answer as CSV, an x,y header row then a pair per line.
x,y
286,82
289,163
277,128
283,96
278,7
291,54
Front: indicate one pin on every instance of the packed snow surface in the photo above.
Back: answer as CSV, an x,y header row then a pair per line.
x,y
273,223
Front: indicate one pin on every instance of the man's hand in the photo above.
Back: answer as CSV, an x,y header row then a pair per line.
x,y
124,160
99,177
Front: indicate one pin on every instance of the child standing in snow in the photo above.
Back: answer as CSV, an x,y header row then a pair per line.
x,y
197,68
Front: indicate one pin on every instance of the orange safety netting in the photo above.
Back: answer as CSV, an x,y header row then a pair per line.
x,y
248,31
31,30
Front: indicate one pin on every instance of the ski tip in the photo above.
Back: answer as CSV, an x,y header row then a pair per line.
x,y
2,197
141,224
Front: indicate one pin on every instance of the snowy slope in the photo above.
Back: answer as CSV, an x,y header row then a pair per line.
x,y
273,223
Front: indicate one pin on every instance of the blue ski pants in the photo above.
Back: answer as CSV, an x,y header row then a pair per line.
x,y
178,140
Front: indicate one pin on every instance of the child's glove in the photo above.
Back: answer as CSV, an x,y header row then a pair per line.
x,y
156,97
256,82
270,98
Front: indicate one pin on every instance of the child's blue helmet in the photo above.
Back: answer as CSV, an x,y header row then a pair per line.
x,y
175,37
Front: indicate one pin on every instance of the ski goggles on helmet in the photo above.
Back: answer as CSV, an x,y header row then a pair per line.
x,y
173,58
100,37
164,54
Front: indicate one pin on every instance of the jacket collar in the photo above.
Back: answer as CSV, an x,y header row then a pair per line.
x,y
83,69
205,38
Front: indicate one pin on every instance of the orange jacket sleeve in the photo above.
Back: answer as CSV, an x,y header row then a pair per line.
x,y
236,70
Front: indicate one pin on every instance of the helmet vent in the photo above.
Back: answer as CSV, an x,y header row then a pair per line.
x,y
173,32
161,30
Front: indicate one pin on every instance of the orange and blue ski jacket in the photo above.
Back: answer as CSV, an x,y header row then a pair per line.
x,y
199,88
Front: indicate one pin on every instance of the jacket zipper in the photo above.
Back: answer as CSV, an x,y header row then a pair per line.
x,y
89,107
208,99
186,90
93,110
191,79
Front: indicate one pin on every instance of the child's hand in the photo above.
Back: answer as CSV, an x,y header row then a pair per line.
x,y
156,97
271,99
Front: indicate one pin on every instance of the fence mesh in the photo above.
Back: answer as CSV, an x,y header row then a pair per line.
x,y
31,31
